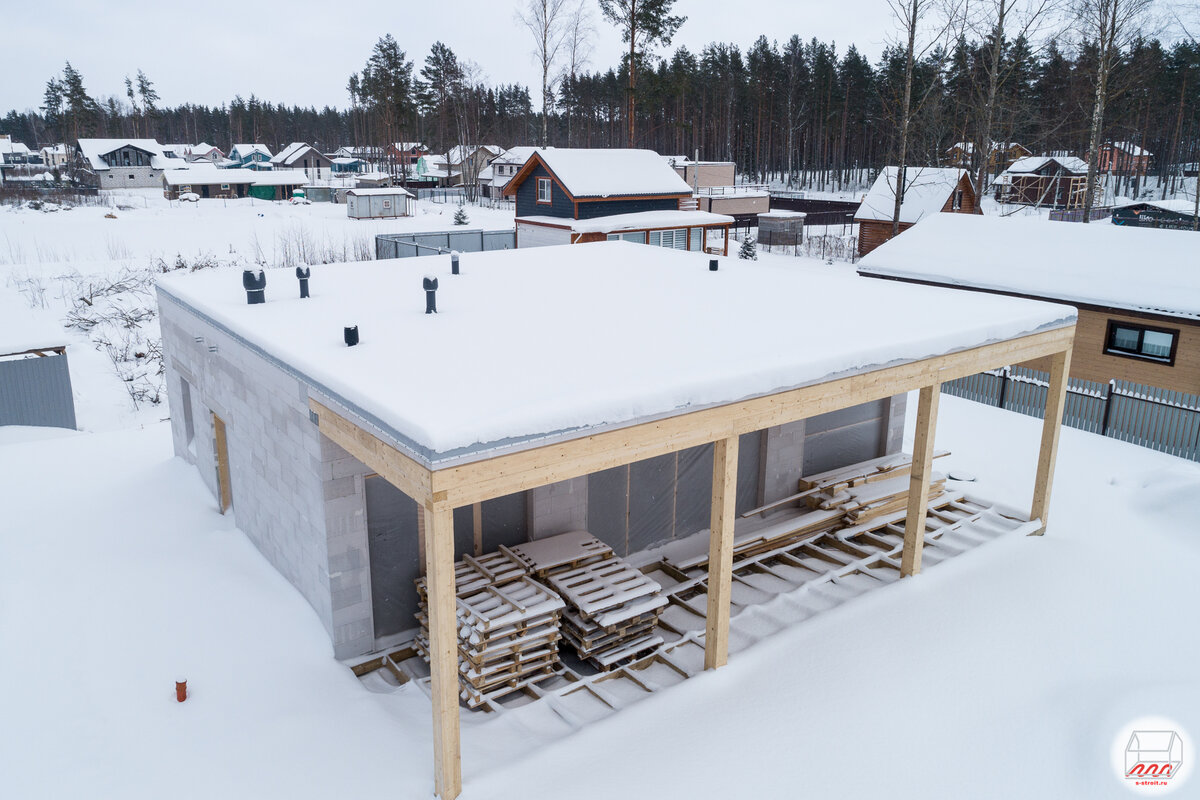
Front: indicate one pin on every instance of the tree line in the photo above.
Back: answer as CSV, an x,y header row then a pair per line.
x,y
801,111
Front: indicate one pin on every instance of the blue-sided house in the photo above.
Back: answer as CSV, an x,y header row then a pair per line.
x,y
569,196
250,156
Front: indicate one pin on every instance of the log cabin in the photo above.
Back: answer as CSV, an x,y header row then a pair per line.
x,y
927,190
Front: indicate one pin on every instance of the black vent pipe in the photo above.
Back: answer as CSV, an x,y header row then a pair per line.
x,y
255,283
303,273
430,283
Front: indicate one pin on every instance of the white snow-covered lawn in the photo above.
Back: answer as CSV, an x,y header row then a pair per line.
x,y
1006,672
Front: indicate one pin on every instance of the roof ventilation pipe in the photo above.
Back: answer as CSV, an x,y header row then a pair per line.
x,y
303,274
255,283
712,265
453,262
431,285
350,335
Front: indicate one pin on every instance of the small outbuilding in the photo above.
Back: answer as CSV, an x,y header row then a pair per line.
x,y
1044,181
382,203
926,190
1178,214
35,379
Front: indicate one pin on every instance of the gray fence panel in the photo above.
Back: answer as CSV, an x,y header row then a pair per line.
x,y
428,243
499,240
1159,419
37,391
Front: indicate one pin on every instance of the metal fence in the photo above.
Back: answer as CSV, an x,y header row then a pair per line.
x,y
37,391
1159,419
1076,214
407,245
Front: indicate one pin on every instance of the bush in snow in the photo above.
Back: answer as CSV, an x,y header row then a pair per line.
x,y
749,249
460,216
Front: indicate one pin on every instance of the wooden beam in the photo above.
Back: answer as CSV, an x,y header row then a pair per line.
x,y
414,479
224,481
1056,398
443,650
918,481
720,552
518,471
477,526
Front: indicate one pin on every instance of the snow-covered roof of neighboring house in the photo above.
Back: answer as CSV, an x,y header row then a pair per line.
x,y
593,172
94,150
1070,164
54,150
380,192
176,150
291,153
926,191
1176,205
23,328
640,220
969,147
345,160
402,146
280,177
610,298
204,149
244,150
518,155
9,147
459,153
203,173
1130,148
1139,269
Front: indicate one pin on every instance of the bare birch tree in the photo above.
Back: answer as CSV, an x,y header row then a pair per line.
x,y
577,50
547,21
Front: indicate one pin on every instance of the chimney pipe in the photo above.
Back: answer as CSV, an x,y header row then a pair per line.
x,y
431,285
303,273
453,262
351,335
712,265
255,283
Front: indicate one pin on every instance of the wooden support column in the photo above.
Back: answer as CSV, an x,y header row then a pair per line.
x,y
443,649
477,526
720,552
1056,399
918,482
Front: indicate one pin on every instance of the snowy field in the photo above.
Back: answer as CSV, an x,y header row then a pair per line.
x,y
1007,672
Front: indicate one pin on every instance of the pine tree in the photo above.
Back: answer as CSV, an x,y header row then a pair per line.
x,y
642,23
749,249
460,216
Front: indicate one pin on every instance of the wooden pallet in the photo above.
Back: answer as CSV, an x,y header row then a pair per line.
x,y
566,551
474,573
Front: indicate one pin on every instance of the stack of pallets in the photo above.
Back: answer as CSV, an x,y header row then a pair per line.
x,y
868,501
508,625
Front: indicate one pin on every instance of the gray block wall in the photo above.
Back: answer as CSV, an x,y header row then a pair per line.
x,y
276,461
558,508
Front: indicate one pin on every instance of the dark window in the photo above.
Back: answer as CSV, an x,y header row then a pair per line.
x,y
1139,341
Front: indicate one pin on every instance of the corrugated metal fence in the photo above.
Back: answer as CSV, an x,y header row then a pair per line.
x,y
1144,415
1076,214
406,245
37,391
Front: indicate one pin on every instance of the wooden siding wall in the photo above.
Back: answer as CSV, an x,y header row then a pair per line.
x,y
606,208
872,233
527,205
1090,361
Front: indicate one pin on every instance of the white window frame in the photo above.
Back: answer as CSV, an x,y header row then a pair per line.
x,y
547,199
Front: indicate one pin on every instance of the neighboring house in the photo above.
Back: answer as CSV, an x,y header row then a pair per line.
x,y
35,378
717,190
122,163
1044,181
55,156
568,196
302,156
346,165
205,152
1136,290
632,393
1124,158
704,174
501,169
13,152
177,152
405,154
250,156
209,181
1000,157
1178,214
461,165
927,190
378,203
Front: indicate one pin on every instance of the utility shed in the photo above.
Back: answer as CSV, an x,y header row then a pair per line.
x,y
625,390
378,203
35,379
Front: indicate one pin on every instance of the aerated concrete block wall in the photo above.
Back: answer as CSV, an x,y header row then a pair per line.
x,y
276,461
558,508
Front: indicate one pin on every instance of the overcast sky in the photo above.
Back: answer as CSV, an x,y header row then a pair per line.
x,y
302,52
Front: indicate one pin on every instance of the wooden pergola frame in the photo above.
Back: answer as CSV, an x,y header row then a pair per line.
x,y
439,491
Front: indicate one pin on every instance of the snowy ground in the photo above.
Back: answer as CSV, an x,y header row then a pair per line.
x,y
1006,672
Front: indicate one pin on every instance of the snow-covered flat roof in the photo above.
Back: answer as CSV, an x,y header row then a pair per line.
x,y
640,220
593,172
23,328
549,343
1070,164
926,191
382,192
204,173
280,177
1139,269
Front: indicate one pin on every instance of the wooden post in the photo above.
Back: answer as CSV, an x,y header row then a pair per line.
x,y
443,650
224,482
918,482
1056,399
477,524
720,552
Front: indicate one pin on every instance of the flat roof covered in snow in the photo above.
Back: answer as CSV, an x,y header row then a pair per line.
x,y
553,343
637,221
23,328
1139,269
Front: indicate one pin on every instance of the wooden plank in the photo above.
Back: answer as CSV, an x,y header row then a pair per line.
x,y
477,526
224,483
414,479
720,552
518,471
1056,398
443,650
918,486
